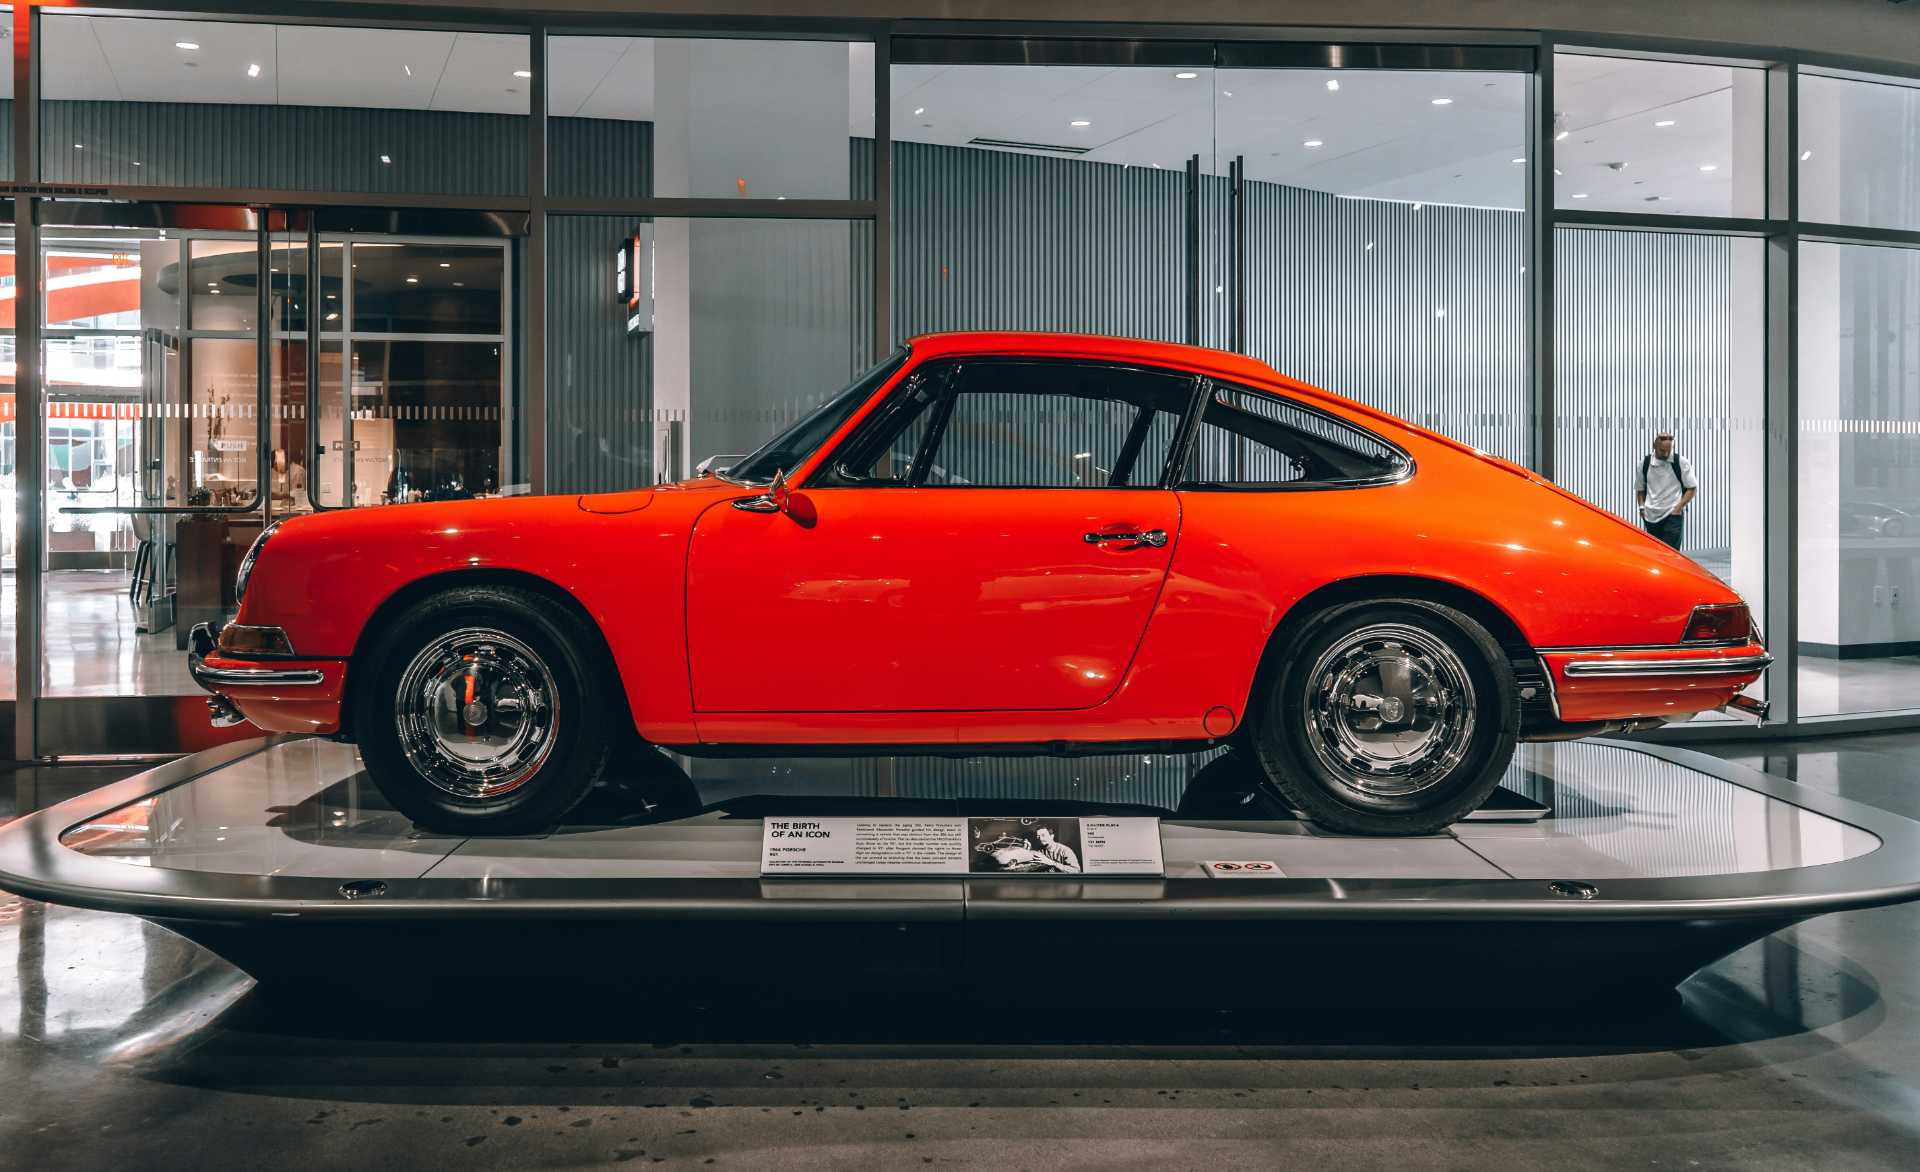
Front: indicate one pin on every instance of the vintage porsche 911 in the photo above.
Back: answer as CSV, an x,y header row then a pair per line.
x,y
994,543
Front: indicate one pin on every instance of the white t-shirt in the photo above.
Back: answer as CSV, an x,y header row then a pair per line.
x,y
1664,482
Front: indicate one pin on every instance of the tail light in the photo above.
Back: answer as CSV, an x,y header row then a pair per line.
x,y
1720,623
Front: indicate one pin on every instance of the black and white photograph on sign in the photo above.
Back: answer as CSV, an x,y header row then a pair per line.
x,y
1024,846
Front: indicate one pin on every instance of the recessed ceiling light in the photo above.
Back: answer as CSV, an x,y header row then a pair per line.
x,y
1080,122
1186,76
523,73
334,316
187,45
1313,144
1443,101
136,162
253,70
1562,135
1521,159
1579,195
446,264
1333,85
1709,166
1664,122
1805,155
1226,93
79,146
388,159
919,110
409,69
413,280
459,284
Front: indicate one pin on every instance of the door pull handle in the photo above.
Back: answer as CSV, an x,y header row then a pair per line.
x,y
1157,538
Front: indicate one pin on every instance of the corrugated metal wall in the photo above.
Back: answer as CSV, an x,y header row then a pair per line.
x,y
1421,311
600,418
1645,323
310,148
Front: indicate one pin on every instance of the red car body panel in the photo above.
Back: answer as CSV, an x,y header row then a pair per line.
x,y
936,616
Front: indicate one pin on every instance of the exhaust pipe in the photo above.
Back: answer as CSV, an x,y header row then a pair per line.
x,y
1745,705
222,713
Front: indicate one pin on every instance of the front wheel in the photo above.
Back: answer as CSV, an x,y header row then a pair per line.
x,y
481,712
1391,717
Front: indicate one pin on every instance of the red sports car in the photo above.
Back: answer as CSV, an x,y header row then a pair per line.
x,y
994,543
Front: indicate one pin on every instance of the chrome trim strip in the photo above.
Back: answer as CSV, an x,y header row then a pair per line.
x,y
297,677
1725,665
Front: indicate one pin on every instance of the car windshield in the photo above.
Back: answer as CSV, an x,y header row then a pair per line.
x,y
796,443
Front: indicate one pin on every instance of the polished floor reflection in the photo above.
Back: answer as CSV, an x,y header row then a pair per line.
x,y
305,808
123,1046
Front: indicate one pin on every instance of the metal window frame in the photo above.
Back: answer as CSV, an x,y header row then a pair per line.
x,y
1282,46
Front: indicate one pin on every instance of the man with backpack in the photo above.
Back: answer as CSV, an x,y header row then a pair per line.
x,y
1663,487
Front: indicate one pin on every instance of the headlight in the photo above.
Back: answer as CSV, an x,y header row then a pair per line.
x,y
253,555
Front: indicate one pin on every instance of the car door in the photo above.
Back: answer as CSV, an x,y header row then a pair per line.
x,y
995,539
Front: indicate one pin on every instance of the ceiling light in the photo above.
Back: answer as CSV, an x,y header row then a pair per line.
x,y
1418,206
523,73
919,110
459,284
413,280
1709,167
1562,135
388,159
1805,155
1579,195
446,264
1333,85
187,45
1313,144
1521,159
79,146
1369,246
409,69
1439,311
253,70
333,316
1188,76
1664,122
136,162
1443,101
1080,122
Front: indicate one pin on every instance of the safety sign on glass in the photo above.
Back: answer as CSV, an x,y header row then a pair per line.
x,y
1013,845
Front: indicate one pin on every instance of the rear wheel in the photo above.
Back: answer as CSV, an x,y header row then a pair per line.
x,y
481,712
1386,717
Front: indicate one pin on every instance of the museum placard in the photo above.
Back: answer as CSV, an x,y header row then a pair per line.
x,y
961,846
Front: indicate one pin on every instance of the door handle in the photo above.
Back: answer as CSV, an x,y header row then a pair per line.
x,y
1157,538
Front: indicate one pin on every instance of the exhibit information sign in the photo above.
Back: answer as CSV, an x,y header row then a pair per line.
x,y
961,846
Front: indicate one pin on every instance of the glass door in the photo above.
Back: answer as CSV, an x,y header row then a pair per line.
x,y
413,347
160,389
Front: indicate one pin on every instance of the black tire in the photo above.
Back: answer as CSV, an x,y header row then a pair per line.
x,y
1297,738
580,727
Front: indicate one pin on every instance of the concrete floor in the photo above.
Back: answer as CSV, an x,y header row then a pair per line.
x,y
121,1045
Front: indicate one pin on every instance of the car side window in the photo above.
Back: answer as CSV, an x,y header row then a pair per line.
x,y
1057,425
1248,440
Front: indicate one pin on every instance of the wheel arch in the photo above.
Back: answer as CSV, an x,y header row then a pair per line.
x,y
384,616
1381,587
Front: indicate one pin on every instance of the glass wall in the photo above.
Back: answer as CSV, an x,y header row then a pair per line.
x,y
1387,217
216,104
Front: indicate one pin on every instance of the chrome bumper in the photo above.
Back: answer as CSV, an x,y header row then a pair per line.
x,y
201,642
1706,665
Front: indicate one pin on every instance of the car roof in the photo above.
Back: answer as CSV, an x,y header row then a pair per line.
x,y
1141,350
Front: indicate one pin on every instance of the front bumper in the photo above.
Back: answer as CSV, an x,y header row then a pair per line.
x,y
287,696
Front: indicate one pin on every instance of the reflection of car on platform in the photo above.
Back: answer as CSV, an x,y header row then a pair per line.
x,y
995,543
1873,518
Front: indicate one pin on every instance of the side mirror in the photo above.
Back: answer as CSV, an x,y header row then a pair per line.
x,y
774,500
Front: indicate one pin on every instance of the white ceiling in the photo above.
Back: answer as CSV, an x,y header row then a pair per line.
x,y
1382,135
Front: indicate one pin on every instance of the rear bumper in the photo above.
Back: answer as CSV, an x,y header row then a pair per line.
x,y
298,696
1666,683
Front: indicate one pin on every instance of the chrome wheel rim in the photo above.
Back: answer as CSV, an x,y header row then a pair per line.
x,y
477,711
1390,711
